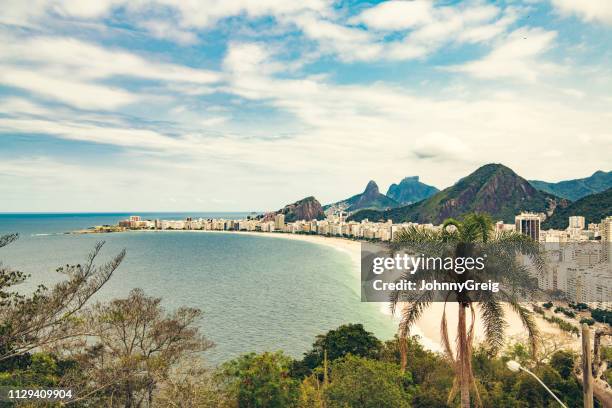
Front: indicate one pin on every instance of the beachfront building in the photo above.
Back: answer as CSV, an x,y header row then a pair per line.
x,y
552,277
279,222
605,229
528,224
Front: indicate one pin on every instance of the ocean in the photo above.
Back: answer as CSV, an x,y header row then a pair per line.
x,y
257,293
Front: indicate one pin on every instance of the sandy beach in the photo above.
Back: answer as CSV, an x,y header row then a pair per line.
x,y
428,327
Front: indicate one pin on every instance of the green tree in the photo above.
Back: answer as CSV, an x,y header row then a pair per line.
x,y
563,362
471,238
431,373
261,381
35,370
357,382
346,339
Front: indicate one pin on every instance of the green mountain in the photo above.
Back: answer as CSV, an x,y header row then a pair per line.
x,y
576,189
307,208
493,188
370,198
410,190
593,208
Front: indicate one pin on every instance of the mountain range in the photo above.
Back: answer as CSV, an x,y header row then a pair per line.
x,y
410,190
492,188
576,189
593,207
371,198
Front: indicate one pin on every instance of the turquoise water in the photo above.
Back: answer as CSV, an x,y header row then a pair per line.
x,y
257,293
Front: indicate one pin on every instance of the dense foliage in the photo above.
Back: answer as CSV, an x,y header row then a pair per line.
x,y
346,339
602,316
593,207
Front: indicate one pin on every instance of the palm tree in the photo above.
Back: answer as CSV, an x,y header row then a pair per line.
x,y
473,237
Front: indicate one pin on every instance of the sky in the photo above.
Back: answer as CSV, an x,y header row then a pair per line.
x,y
242,105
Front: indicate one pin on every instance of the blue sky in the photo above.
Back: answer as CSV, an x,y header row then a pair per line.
x,y
173,105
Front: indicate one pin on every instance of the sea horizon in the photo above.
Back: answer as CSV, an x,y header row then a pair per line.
x,y
201,270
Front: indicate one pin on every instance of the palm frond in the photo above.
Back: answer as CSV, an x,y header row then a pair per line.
x,y
410,314
444,336
514,244
494,322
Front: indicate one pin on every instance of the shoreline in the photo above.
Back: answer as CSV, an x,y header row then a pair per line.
x,y
428,334
428,326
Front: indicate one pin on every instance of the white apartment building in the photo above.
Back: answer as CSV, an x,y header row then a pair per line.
x,y
528,224
576,222
279,222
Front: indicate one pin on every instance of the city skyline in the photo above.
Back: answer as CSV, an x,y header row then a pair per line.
x,y
241,105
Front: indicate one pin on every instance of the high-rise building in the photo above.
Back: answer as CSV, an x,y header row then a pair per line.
x,y
576,222
605,229
279,222
528,224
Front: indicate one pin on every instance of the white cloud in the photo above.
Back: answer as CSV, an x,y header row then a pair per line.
x,y
348,43
432,26
87,60
72,71
169,31
450,21
397,15
195,14
380,124
20,106
315,134
516,57
75,93
588,10
441,147
426,27
81,131
575,93
207,12
247,57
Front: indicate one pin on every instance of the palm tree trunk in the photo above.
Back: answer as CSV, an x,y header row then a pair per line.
x,y
463,357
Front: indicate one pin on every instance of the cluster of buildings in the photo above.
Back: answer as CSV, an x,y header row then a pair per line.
x,y
578,260
578,263
331,226
577,230
336,225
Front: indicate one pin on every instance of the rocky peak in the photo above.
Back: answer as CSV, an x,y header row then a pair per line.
x,y
410,190
307,208
410,179
371,189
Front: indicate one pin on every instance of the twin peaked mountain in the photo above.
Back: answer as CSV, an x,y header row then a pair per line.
x,y
493,188
408,191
